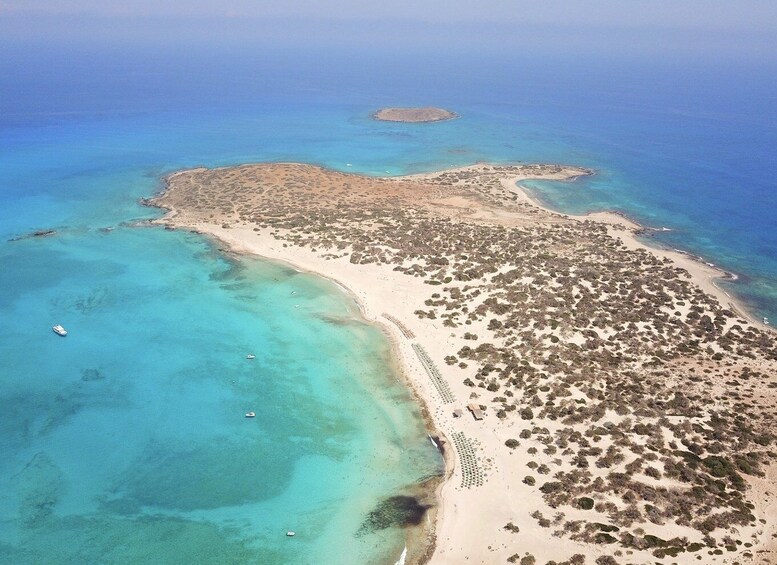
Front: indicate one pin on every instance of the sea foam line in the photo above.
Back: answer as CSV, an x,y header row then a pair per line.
x,y
402,557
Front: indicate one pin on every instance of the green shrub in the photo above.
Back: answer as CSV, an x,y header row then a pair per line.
x,y
585,503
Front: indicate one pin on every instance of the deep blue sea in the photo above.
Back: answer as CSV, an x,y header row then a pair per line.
x,y
126,442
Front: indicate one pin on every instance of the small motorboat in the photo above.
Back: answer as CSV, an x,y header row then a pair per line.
x,y
250,356
290,534
59,330
250,414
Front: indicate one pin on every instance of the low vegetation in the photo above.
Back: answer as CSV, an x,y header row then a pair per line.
x,y
643,402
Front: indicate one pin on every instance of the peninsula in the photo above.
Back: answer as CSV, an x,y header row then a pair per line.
x,y
413,115
598,401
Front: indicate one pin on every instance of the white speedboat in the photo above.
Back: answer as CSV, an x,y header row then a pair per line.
x,y
59,330
250,356
250,414
290,534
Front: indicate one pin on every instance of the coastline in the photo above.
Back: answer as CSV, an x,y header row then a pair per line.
x,y
628,229
455,504
424,535
402,367
704,273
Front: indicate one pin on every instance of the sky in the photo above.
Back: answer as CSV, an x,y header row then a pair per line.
x,y
697,14
702,27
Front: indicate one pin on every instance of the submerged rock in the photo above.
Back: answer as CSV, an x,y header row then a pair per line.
x,y
91,375
40,485
36,233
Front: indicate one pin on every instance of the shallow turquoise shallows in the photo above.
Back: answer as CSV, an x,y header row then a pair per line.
x,y
128,438
127,442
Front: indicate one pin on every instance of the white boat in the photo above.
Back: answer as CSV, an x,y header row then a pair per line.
x,y
59,330
290,534
250,356
766,321
250,414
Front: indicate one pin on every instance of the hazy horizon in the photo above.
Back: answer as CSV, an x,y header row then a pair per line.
x,y
661,29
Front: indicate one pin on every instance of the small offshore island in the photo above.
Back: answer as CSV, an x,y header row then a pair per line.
x,y
626,408
414,115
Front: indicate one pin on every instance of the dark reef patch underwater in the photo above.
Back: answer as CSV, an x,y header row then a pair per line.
x,y
397,511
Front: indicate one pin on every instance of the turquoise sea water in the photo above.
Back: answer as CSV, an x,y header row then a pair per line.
x,y
126,442
133,426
